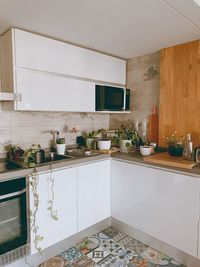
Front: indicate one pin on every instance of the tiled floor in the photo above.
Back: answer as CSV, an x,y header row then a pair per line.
x,y
111,248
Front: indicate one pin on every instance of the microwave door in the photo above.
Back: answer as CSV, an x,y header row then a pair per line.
x,y
114,99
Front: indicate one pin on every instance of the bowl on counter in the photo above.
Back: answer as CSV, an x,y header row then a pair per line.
x,y
146,150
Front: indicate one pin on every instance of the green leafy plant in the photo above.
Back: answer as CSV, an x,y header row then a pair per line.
x,y
91,134
104,134
175,144
128,132
60,141
29,155
14,152
173,140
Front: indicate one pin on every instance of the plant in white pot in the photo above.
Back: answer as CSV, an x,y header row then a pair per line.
x,y
127,138
90,139
103,143
60,146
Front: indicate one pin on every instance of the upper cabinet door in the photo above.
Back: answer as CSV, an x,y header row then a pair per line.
x,y
36,52
44,92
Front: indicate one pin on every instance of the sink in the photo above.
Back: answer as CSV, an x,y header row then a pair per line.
x,y
6,165
57,158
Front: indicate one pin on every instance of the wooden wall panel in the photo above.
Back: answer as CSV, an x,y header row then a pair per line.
x,y
180,91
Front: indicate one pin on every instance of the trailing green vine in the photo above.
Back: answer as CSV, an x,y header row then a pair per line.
x,y
53,213
34,180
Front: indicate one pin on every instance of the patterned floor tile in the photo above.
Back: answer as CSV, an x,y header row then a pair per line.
x,y
133,244
119,237
98,238
83,262
140,262
110,232
126,254
71,255
86,246
108,261
97,254
154,256
54,262
110,245
111,248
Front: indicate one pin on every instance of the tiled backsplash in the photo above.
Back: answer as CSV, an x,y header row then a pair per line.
x,y
143,80
26,128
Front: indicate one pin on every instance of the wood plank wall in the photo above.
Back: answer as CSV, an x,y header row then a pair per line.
x,y
180,91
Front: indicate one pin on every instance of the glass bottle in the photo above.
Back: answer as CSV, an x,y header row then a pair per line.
x,y
188,147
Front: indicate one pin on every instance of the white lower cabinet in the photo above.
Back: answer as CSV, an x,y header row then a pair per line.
x,y
162,204
65,203
93,182
81,199
125,195
170,208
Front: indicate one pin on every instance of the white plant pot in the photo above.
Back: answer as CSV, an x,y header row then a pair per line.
x,y
104,144
89,142
60,148
125,146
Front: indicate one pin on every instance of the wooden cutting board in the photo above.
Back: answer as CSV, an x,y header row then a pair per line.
x,y
153,128
167,160
106,151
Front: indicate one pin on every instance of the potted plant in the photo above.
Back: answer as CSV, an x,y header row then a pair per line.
x,y
30,154
90,139
60,146
175,145
127,137
104,142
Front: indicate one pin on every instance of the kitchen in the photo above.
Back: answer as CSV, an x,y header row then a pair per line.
x,y
39,60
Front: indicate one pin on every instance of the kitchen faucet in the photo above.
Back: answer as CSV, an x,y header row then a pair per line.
x,y
55,135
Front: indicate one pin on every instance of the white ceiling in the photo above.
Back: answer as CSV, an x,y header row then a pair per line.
x,y
125,28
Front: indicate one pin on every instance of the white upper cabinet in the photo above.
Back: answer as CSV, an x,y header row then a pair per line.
x,y
44,92
51,75
36,52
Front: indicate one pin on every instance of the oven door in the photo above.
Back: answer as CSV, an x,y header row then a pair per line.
x,y
13,218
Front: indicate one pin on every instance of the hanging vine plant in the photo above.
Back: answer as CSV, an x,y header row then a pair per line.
x,y
34,180
53,212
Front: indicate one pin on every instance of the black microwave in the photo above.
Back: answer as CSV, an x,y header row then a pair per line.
x,y
109,98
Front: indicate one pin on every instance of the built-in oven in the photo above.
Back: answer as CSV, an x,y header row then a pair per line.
x,y
13,220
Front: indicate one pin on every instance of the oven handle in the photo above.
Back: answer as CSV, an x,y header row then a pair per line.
x,y
13,194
